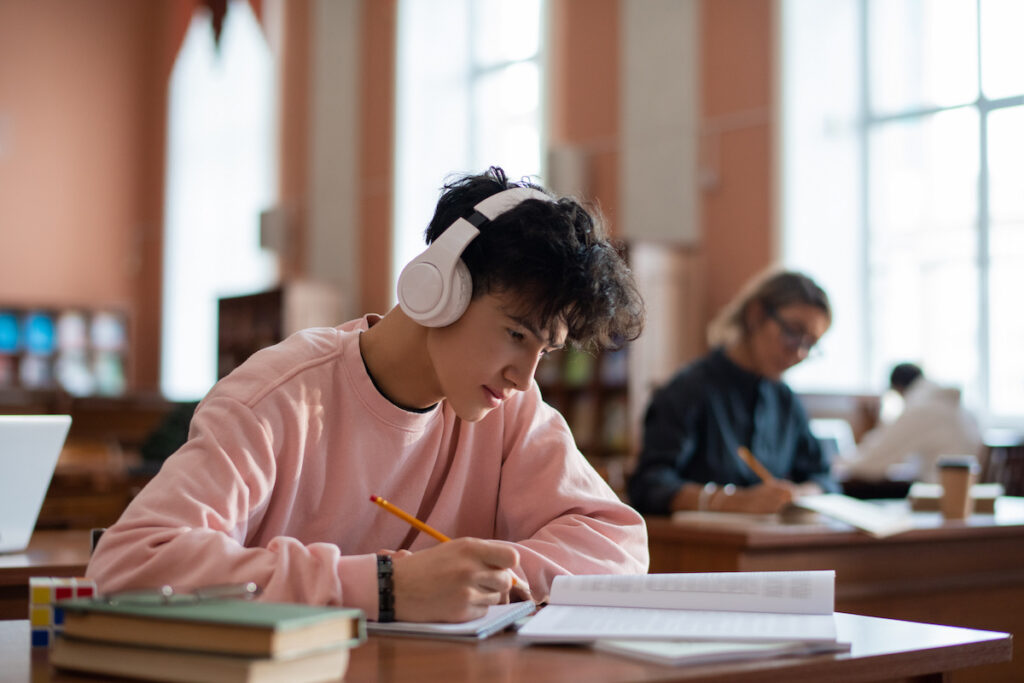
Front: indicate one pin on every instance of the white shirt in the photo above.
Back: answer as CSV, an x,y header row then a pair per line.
x,y
932,424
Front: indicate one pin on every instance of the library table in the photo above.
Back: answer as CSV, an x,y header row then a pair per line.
x,y
965,573
49,553
881,649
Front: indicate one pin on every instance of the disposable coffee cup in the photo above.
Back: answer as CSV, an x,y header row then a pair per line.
x,y
957,473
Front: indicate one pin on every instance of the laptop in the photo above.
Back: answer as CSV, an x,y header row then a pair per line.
x,y
29,448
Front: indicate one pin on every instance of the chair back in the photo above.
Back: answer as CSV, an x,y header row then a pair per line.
x,y
1004,464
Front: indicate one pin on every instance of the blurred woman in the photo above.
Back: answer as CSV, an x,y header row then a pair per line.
x,y
734,398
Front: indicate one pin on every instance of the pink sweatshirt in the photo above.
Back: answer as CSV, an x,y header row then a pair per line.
x,y
274,482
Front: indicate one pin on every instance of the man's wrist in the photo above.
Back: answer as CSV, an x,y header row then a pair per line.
x,y
385,589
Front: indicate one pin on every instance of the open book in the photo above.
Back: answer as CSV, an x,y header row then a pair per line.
x,y
722,606
497,618
874,519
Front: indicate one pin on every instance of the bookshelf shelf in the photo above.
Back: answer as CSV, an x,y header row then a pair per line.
x,y
591,391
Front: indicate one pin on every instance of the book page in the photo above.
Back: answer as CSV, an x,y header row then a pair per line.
x,y
569,623
874,519
795,592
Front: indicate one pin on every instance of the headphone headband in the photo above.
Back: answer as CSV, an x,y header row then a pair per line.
x,y
434,289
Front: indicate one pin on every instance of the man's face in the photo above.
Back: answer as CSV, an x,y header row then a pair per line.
x,y
488,354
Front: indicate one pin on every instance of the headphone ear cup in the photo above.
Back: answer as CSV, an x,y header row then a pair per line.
x,y
458,301
435,288
421,290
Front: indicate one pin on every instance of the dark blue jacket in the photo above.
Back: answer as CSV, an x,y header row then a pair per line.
x,y
696,422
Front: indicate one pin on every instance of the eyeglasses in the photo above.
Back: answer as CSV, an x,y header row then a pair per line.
x,y
167,595
794,338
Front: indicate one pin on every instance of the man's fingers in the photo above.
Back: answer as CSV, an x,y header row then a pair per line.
x,y
498,555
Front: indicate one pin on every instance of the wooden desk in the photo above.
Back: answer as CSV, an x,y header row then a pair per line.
x,y
882,649
50,553
967,574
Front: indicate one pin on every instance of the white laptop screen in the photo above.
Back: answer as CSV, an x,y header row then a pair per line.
x,y
29,448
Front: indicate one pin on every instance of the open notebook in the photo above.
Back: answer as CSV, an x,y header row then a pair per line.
x,y
497,618
29,448
723,606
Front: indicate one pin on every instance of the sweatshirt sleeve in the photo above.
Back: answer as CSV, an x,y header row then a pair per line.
x,y
561,514
188,526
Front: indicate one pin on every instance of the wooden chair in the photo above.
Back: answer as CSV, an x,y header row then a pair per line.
x,y
1004,464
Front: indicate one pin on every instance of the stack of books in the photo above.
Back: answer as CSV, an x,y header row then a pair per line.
x,y
216,640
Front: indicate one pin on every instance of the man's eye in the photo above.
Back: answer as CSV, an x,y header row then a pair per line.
x,y
516,336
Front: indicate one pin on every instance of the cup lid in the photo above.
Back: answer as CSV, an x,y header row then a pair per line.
x,y
968,462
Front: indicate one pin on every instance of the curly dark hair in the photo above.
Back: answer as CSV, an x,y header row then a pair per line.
x,y
553,255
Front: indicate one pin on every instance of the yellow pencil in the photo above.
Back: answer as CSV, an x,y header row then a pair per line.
x,y
427,529
760,470
399,512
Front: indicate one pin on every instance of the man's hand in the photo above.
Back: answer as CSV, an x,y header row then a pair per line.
x,y
454,581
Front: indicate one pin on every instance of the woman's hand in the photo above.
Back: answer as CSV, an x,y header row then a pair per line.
x,y
454,581
766,498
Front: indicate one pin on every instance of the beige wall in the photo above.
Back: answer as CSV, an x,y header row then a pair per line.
x,y
82,109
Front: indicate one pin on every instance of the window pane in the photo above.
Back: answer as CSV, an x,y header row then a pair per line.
x,y
221,172
922,245
923,53
821,183
507,119
1002,51
1006,257
505,30
464,101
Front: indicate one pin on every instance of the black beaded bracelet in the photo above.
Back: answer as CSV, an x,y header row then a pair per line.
x,y
386,589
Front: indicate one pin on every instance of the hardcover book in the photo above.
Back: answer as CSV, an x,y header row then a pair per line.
x,y
226,626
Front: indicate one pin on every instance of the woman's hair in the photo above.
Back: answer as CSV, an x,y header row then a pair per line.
x,y
553,255
773,289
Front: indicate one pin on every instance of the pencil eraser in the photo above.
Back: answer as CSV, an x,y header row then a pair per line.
x,y
373,499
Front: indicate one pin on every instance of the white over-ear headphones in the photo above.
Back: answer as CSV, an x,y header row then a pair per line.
x,y
434,289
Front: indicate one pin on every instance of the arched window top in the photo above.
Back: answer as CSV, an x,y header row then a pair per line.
x,y
221,173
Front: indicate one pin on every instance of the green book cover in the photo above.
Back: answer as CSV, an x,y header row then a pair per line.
x,y
274,616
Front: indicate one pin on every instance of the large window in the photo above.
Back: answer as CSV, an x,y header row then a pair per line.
x,y
221,172
468,97
903,148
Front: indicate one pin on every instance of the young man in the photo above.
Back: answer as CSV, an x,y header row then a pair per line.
x,y
933,423
432,407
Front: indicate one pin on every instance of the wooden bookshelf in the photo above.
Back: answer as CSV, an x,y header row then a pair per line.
x,y
251,322
591,391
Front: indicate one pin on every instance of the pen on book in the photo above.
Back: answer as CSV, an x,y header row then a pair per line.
x,y
431,531
753,463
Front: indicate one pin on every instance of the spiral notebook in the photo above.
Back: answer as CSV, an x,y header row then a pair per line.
x,y
497,619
